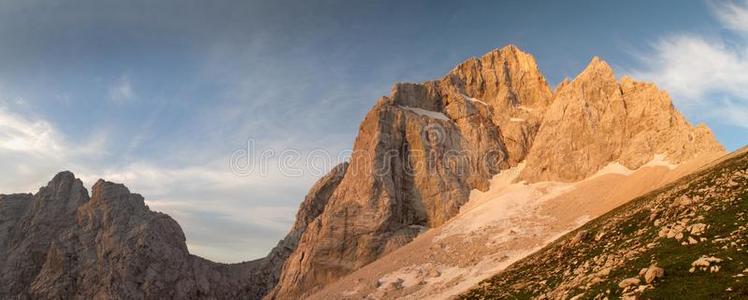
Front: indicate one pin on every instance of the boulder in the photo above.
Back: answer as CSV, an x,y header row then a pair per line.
x,y
633,281
652,273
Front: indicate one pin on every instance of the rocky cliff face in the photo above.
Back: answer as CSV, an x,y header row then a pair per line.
x,y
594,120
418,154
509,81
61,244
33,223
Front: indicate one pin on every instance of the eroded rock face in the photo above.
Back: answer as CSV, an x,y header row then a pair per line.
x,y
594,120
39,220
510,82
111,246
395,185
418,154
12,208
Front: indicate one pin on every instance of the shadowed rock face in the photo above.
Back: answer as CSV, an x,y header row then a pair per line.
x,y
34,223
59,244
418,154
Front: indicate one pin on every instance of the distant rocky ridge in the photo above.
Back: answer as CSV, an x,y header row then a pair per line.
x,y
418,154
61,244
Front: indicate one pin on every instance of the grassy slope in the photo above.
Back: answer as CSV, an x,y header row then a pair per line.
x,y
590,262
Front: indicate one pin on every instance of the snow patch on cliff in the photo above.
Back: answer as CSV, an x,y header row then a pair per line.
x,y
426,113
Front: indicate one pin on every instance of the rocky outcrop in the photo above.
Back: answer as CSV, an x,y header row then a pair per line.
x,y
418,154
594,120
396,184
39,221
64,245
12,208
510,82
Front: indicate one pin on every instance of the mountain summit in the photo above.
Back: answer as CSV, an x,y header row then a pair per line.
x,y
594,120
419,154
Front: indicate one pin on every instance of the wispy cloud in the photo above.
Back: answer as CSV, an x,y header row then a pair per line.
x,y
734,15
705,74
121,91
23,135
32,149
693,66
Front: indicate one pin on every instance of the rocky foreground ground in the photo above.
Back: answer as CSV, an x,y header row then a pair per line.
x,y
687,240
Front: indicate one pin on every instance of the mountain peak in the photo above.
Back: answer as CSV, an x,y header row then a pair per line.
x,y
597,69
63,187
510,48
596,119
506,73
62,176
510,57
526,60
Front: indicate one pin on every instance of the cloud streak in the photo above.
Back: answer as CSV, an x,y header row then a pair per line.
x,y
706,75
33,137
32,149
734,15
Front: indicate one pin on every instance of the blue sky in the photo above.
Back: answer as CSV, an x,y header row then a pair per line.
x,y
159,94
